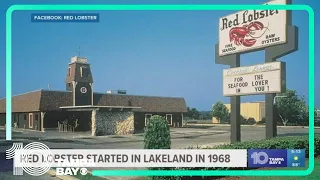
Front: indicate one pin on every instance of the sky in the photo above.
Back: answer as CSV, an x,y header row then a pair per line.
x,y
154,53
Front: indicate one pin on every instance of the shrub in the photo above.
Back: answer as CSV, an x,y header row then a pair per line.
x,y
263,121
243,120
157,134
292,124
288,142
303,123
251,121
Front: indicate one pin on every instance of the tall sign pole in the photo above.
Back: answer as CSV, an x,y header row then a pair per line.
x,y
250,31
233,61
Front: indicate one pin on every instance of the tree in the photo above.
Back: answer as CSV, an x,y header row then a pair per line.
x,y
205,115
316,117
220,111
192,113
292,108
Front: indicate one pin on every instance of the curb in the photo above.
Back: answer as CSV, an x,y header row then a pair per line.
x,y
228,125
314,127
141,140
222,125
210,145
53,173
20,129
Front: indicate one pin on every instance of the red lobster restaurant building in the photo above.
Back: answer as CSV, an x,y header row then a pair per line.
x,y
85,110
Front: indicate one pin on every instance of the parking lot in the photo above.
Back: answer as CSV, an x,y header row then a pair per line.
x,y
181,137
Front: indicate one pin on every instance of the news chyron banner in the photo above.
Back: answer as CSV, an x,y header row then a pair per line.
x,y
36,158
276,158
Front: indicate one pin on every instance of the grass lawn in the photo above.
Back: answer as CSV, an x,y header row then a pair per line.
x,y
313,176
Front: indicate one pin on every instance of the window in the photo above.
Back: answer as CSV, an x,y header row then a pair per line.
x,y
69,72
30,120
147,118
84,71
169,118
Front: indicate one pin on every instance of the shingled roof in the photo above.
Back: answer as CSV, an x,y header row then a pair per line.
x,y
47,100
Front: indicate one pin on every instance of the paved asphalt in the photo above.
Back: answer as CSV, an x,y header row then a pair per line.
x,y
181,138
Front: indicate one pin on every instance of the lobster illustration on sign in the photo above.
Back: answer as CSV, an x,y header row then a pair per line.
x,y
239,34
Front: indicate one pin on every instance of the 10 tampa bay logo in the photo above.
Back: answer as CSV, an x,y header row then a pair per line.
x,y
267,158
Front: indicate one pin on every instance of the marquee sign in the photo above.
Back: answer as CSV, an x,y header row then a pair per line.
x,y
252,29
258,79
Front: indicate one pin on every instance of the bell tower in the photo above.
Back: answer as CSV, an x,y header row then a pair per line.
x,y
80,82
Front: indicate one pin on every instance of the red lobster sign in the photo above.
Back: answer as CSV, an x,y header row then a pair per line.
x,y
239,34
